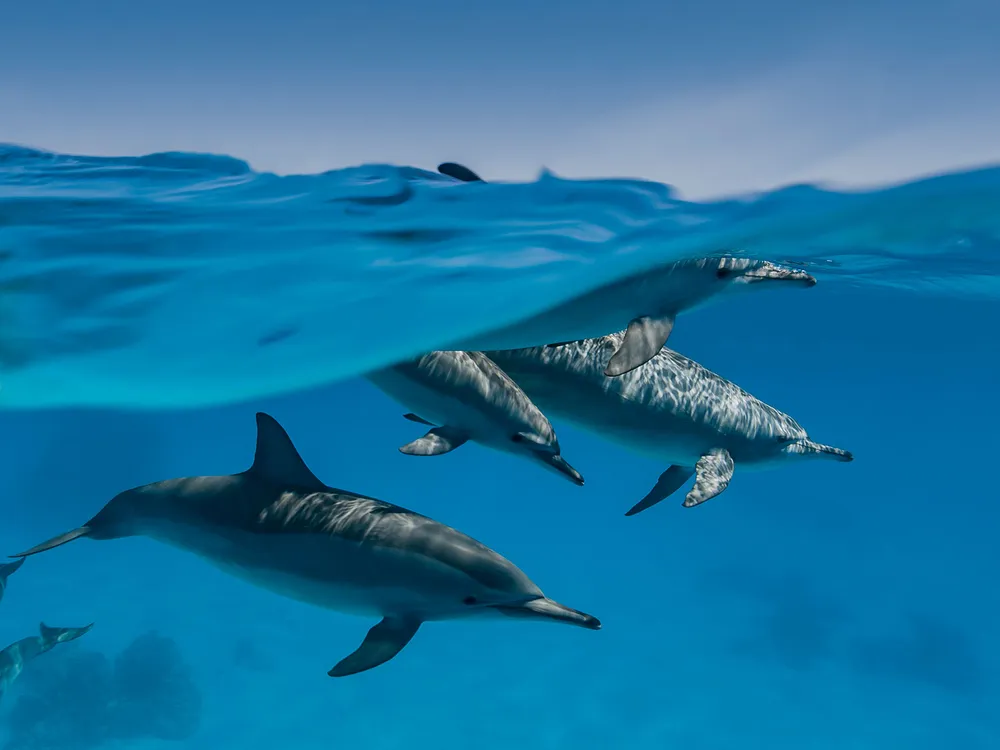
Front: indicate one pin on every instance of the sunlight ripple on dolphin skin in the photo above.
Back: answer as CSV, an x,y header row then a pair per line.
x,y
670,408
136,282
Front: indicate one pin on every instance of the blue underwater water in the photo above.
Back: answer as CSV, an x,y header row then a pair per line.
x,y
149,306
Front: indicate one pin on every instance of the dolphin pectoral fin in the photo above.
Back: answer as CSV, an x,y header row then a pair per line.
x,y
383,642
669,482
436,442
714,470
419,420
643,339
459,172
58,541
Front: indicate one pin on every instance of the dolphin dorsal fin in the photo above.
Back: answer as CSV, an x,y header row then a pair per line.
x,y
459,172
276,459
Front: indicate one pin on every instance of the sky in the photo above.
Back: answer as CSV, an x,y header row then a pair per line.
x,y
711,96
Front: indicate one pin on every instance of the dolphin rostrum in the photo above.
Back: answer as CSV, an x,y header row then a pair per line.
x,y
279,527
671,409
5,572
14,658
464,396
649,300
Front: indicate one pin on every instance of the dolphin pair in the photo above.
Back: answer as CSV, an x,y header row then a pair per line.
x,y
671,409
470,398
14,658
650,301
279,527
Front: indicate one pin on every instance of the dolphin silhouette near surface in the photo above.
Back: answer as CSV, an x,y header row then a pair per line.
x,y
279,527
647,302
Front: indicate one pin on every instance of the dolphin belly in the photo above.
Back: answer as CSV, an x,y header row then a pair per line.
x,y
673,443
326,570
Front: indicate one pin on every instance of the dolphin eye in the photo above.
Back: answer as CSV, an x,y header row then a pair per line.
x,y
784,439
470,601
723,273
518,438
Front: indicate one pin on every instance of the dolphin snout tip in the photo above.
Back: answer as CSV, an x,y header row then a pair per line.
x,y
591,623
847,457
809,280
561,465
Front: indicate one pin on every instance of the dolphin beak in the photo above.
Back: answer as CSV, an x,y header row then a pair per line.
x,y
547,609
808,447
560,464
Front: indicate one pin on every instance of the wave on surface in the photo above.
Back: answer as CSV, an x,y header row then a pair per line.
x,y
179,280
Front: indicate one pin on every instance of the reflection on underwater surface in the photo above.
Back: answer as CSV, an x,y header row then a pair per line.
x,y
820,606
174,280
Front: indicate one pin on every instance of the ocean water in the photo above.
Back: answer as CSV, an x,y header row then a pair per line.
x,y
151,305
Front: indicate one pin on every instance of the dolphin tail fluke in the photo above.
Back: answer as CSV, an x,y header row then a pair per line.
x,y
547,609
382,643
52,636
714,471
644,337
9,569
436,442
57,541
669,482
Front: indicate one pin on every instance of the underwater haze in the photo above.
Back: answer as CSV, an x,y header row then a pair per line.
x,y
811,605
211,209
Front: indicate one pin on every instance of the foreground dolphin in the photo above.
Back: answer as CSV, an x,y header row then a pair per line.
x,y
279,527
650,299
14,658
470,398
671,409
5,573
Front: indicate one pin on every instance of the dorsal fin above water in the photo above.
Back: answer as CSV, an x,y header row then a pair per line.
x,y
459,172
276,459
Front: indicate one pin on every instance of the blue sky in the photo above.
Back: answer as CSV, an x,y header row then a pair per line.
x,y
708,95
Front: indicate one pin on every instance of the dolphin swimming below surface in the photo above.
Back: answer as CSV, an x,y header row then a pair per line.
x,y
14,658
279,527
648,301
671,409
469,398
